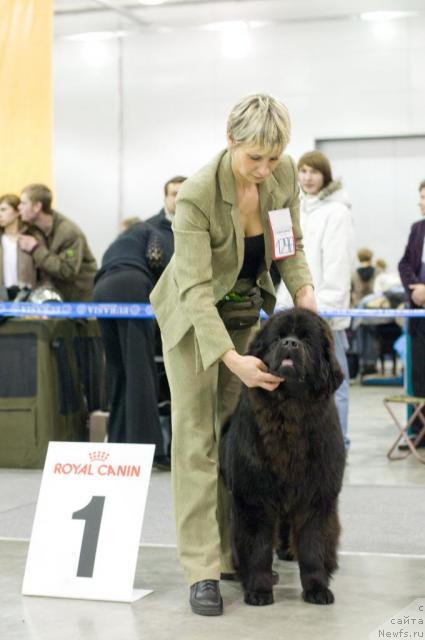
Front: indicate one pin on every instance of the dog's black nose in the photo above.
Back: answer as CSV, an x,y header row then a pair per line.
x,y
291,342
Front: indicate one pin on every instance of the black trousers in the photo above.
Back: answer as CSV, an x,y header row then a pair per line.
x,y
130,361
418,363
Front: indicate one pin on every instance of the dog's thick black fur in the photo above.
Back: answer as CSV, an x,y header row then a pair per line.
x,y
282,457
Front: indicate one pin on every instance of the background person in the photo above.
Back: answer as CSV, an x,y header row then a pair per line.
x,y
162,220
363,277
362,285
130,267
129,222
58,246
17,268
384,279
327,228
412,273
222,248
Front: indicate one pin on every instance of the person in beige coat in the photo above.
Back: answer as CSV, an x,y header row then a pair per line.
x,y
232,218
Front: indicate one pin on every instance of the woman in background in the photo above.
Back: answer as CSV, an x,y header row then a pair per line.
x,y
17,267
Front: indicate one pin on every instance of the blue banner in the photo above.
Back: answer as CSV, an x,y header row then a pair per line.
x,y
145,311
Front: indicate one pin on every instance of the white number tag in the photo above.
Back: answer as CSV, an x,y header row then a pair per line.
x,y
283,241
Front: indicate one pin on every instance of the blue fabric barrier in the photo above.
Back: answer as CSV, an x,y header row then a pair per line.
x,y
145,311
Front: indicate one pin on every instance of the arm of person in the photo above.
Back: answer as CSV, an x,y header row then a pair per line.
x,y
64,263
194,279
251,370
337,241
417,293
407,274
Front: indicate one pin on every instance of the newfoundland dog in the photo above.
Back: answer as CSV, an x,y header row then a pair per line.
x,y
282,457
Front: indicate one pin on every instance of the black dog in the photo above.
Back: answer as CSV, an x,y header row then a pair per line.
x,y
282,456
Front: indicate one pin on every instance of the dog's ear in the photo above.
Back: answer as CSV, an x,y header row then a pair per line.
x,y
328,376
258,345
333,373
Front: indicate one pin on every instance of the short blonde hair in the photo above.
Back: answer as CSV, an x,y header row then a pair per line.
x,y
364,254
260,120
130,222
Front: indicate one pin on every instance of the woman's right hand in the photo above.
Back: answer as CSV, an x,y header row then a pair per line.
x,y
251,370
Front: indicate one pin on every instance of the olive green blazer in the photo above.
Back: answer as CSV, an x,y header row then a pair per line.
x,y
209,252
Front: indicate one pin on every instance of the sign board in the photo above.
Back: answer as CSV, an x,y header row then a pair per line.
x,y
88,521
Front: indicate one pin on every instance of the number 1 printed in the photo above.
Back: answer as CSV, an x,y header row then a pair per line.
x,y
92,514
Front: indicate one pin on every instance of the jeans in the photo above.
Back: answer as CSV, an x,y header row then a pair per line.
x,y
342,393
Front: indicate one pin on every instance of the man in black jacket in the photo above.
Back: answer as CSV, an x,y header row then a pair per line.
x,y
130,268
162,220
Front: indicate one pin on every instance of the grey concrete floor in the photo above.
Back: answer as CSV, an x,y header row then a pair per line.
x,y
382,560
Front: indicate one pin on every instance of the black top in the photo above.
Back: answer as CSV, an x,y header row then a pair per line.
x,y
141,247
253,257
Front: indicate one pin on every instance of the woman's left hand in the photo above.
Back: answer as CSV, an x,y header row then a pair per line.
x,y
305,298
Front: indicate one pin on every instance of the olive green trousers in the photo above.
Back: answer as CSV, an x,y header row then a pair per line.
x,y
200,404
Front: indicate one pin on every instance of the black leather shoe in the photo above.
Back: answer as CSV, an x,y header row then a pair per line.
x,y
163,463
234,577
205,598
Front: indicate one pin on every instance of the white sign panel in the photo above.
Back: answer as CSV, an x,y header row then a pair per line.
x,y
283,241
88,521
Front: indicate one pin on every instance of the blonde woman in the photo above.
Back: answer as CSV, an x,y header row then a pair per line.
x,y
227,230
17,267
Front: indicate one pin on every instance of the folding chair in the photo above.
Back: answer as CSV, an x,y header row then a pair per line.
x,y
417,404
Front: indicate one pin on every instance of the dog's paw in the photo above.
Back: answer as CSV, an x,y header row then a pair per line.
x,y
283,553
258,598
319,595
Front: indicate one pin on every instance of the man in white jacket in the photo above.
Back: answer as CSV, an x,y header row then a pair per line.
x,y
326,223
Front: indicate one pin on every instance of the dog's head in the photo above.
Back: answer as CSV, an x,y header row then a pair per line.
x,y
297,345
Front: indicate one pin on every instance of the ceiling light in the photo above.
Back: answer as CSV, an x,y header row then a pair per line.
x,y
151,2
381,16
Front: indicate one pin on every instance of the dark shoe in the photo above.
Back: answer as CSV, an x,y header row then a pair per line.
x,y
405,447
205,598
234,577
163,463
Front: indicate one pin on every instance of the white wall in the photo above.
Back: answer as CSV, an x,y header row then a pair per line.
x,y
382,177
338,78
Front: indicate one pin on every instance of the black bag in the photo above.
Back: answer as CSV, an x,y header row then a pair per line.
x,y
241,310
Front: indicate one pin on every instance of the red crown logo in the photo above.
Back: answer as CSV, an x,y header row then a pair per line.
x,y
99,456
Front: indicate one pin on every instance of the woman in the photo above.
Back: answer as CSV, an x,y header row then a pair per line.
x,y
326,225
223,247
17,267
130,268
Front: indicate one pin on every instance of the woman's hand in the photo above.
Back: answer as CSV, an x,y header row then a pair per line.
x,y
27,243
418,293
251,370
305,298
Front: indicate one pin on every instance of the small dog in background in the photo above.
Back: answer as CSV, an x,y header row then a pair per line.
x,y
282,456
